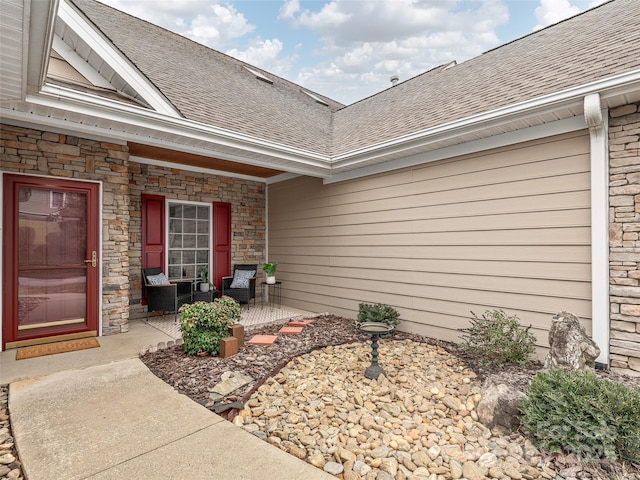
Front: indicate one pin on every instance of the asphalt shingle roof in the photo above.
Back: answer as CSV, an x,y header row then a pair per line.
x,y
210,87
215,89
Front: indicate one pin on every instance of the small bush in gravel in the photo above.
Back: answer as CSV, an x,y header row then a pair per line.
x,y
496,340
577,412
203,324
378,313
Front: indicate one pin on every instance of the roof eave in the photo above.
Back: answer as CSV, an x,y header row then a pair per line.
x,y
572,98
108,118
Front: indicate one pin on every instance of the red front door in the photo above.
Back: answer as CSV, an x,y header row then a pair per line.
x,y
50,265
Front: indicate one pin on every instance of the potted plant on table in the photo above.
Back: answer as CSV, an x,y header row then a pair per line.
x,y
270,271
204,279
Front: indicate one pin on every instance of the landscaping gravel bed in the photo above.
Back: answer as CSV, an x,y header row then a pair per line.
x,y
477,451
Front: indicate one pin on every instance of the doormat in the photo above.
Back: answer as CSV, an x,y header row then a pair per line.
x,y
58,347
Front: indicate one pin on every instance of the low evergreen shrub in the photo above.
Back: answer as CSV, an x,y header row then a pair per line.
x,y
577,412
378,313
203,324
496,339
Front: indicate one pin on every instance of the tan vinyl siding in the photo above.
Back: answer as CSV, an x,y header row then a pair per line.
x,y
509,229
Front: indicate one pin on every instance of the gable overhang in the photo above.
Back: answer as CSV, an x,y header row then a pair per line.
x,y
100,53
26,33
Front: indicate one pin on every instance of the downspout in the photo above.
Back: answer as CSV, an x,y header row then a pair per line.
x,y
266,223
597,120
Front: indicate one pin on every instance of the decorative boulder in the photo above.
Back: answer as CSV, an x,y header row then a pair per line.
x,y
570,346
499,406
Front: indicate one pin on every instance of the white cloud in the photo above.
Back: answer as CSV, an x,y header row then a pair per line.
x,y
553,11
595,3
266,54
366,42
211,23
289,9
218,25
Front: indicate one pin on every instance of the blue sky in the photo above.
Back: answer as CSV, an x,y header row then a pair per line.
x,y
348,49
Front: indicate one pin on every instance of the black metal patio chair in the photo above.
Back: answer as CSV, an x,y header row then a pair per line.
x,y
164,295
241,286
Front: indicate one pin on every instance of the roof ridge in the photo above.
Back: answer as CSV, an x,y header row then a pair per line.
x,y
426,72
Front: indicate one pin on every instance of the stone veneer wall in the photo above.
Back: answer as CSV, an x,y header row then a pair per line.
x,y
624,240
34,152
247,199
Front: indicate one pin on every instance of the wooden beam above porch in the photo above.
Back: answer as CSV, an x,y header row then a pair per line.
x,y
201,161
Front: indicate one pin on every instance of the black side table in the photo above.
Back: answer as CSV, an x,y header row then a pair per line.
x,y
209,296
274,290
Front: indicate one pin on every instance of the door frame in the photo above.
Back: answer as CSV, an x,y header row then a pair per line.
x,y
98,280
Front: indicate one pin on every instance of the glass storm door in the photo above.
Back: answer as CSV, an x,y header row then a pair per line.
x,y
51,275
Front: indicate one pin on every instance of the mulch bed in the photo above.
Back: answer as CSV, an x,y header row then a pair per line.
x,y
195,376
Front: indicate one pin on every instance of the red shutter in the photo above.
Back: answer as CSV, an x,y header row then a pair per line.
x,y
153,228
221,242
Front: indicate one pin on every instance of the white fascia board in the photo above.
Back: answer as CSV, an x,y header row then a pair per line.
x,y
39,25
77,62
510,138
189,168
92,106
548,103
103,48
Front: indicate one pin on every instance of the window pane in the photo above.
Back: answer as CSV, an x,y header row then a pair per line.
x,y
188,256
189,271
203,213
175,257
189,241
175,271
189,211
202,257
189,226
175,241
175,210
175,226
203,241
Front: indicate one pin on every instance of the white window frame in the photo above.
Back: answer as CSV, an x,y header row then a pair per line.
x,y
169,203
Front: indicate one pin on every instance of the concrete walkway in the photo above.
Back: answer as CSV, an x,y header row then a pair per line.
x,y
112,418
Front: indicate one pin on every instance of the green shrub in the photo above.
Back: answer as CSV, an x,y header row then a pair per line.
x,y
377,313
576,412
203,324
496,340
